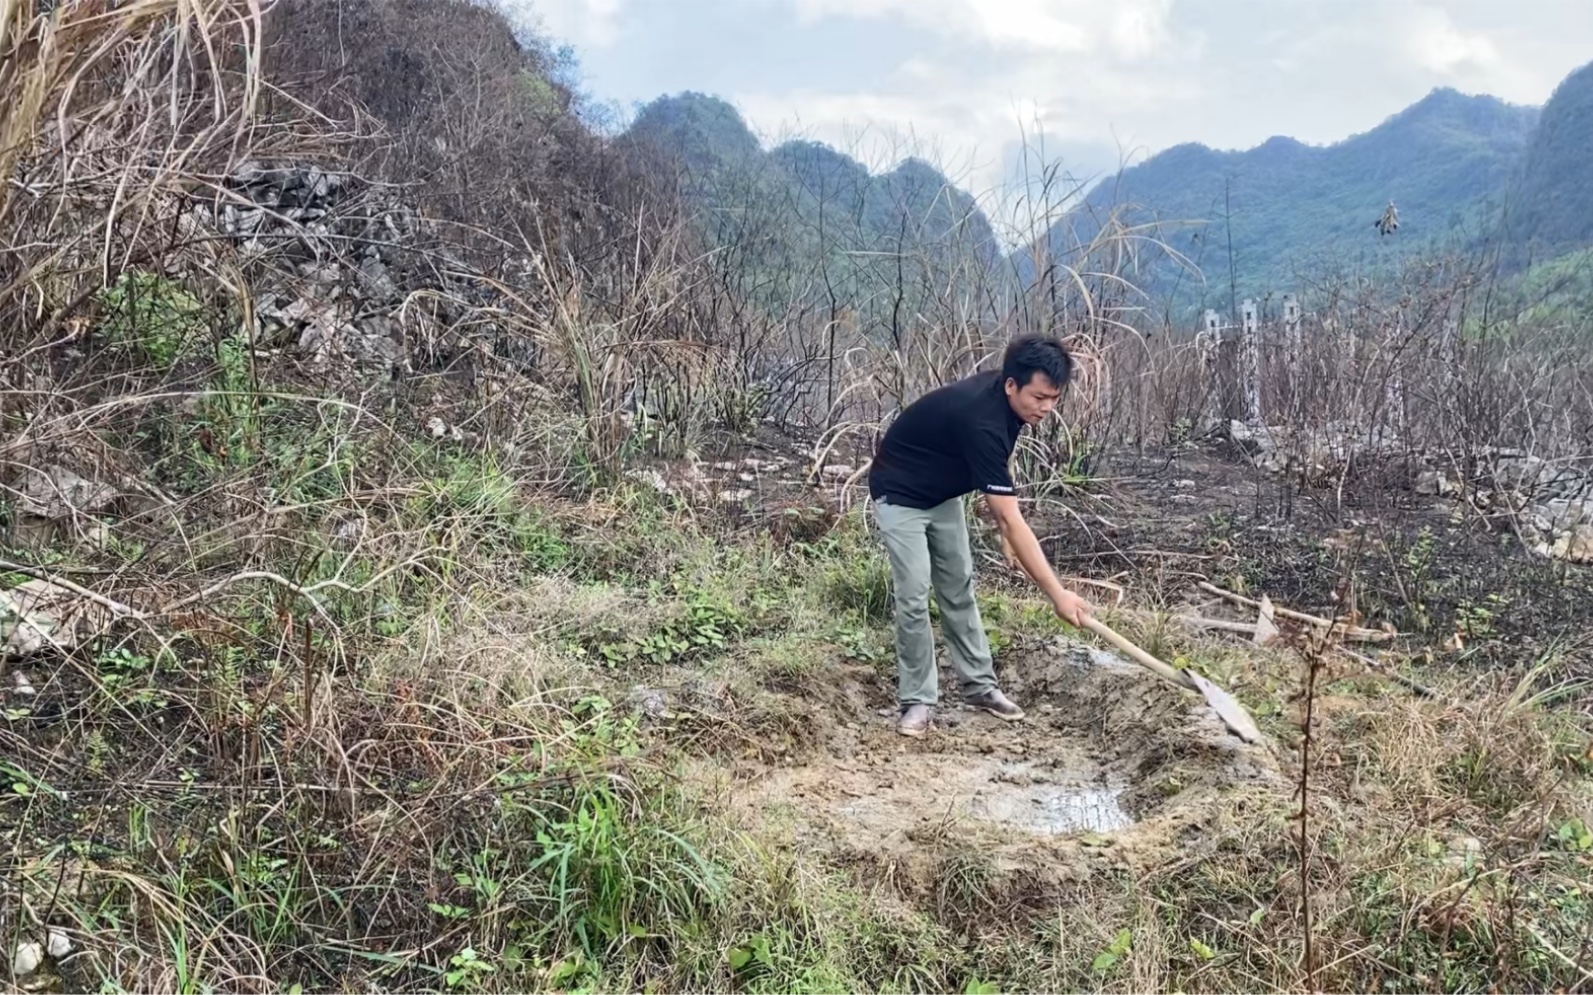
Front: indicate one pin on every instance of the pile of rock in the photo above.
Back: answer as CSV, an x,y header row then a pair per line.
x,y
1281,449
1552,501
732,482
343,272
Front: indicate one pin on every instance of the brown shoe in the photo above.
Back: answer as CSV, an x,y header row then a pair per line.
x,y
914,720
997,704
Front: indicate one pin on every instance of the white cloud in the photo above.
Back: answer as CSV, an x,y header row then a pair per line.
x,y
1140,31
989,73
1133,29
1437,44
583,23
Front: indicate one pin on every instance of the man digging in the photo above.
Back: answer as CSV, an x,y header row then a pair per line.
x,y
955,440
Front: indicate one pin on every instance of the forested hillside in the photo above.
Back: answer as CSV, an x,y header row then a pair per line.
x,y
1552,211
1295,213
1465,173
804,221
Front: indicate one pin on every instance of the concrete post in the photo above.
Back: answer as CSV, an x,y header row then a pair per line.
x,y
1250,361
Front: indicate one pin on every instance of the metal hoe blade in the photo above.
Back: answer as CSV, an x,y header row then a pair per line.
x,y
1224,704
1228,709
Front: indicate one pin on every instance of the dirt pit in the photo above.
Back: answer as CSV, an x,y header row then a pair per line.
x,y
1110,768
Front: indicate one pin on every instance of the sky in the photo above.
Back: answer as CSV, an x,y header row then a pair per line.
x,y
992,90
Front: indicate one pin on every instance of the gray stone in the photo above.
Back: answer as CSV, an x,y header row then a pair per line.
x,y
375,281
1435,483
650,477
652,702
57,943
56,493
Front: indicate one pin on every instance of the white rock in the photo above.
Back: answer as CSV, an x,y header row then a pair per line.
x,y
1561,513
1184,485
36,614
735,497
24,686
1463,849
746,478
1433,482
58,943
26,960
1575,546
56,492
96,535
650,477
437,428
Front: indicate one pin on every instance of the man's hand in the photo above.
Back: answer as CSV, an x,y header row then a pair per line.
x,y
1072,609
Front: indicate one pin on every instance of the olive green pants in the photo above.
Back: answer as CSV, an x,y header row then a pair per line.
x,y
929,549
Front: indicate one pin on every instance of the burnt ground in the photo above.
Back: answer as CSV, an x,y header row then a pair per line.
x,y
1157,521
1431,568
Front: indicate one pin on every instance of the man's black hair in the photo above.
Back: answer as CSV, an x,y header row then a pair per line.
x,y
1030,354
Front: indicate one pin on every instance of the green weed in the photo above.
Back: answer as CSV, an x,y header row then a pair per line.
x,y
150,317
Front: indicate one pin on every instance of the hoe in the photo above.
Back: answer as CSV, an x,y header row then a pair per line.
x,y
1226,706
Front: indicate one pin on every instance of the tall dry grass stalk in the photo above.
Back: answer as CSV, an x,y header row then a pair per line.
x,y
112,109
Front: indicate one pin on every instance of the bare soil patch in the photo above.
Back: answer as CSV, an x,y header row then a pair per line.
x,y
1111,769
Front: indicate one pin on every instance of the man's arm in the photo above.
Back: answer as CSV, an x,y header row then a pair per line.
x,y
988,457
983,509
1020,539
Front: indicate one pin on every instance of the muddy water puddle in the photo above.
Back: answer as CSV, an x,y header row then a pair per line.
x,y
1070,805
1042,798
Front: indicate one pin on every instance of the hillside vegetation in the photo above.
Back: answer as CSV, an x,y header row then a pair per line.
x,y
1552,211
435,557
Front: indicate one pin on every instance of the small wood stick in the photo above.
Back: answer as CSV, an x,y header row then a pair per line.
x,y
1350,631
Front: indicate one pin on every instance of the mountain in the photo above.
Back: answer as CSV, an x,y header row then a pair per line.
x,y
1552,211
703,136
709,143
1203,224
1289,207
804,215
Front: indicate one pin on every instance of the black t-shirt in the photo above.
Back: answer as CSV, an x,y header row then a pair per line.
x,y
953,440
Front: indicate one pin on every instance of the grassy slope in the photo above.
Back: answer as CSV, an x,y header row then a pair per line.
x,y
473,797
